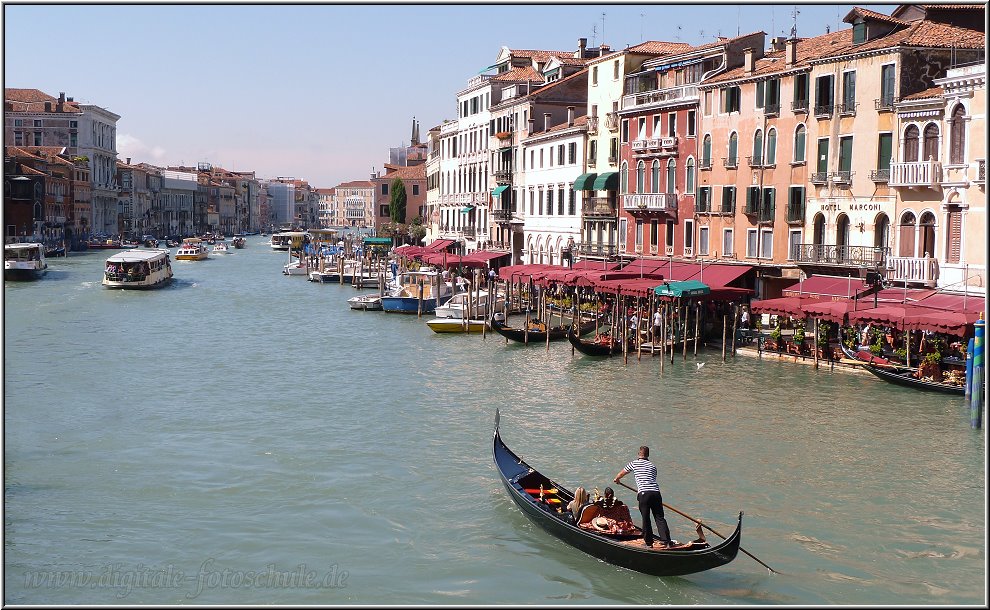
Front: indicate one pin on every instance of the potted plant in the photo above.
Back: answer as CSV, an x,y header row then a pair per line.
x,y
821,339
931,366
774,338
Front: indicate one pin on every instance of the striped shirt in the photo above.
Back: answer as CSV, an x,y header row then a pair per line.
x,y
646,474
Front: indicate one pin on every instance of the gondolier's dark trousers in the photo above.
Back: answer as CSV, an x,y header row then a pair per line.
x,y
652,501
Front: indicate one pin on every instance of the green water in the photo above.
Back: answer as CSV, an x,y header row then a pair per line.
x,y
243,437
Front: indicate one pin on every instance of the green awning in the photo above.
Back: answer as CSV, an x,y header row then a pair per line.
x,y
384,241
467,210
584,182
609,181
498,190
686,288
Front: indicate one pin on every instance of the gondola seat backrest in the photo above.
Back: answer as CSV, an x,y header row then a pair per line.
x,y
588,513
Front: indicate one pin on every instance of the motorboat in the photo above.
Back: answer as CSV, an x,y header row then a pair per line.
x,y
24,261
139,268
299,267
456,325
417,292
238,242
192,249
365,302
473,304
221,247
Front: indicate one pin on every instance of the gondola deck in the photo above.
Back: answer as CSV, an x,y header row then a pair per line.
x,y
518,477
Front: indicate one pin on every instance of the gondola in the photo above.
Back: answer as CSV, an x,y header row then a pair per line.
x,y
905,377
536,335
610,347
525,486
864,357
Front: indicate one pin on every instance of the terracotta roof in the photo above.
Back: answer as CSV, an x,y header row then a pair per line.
x,y
524,73
926,94
834,44
723,40
578,121
410,172
868,14
573,61
540,55
325,191
660,47
27,95
356,184
953,7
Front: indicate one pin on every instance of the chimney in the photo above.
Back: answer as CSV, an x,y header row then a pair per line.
x,y
777,43
48,106
748,61
570,116
61,101
128,160
546,121
582,45
532,122
790,52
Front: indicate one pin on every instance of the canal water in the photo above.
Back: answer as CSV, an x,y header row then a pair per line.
x,y
243,437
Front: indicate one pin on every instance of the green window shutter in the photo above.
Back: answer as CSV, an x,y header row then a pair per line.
x,y
884,151
887,84
845,154
823,155
760,94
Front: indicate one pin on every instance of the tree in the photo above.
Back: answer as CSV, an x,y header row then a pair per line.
x,y
397,202
416,230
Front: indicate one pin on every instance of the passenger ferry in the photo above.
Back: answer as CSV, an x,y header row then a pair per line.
x,y
140,268
283,240
24,261
192,249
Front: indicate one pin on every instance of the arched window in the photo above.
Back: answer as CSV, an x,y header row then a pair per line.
x,y
671,175
624,178
930,148
655,176
881,231
957,135
733,148
841,233
818,236
800,137
910,144
926,230
689,176
706,151
641,177
771,147
758,148
906,235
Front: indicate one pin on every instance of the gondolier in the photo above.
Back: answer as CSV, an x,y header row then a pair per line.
x,y
648,495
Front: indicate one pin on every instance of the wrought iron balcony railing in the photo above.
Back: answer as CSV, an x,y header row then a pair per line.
x,y
885,104
795,213
499,215
612,121
981,170
598,206
846,256
843,177
503,177
880,175
592,125
771,109
799,106
705,164
847,108
596,249
824,111
730,162
819,177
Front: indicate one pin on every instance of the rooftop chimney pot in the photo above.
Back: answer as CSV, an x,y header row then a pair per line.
x,y
570,116
546,121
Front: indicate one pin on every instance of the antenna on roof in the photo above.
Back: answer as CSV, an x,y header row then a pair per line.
x,y
594,33
603,28
641,16
794,13
678,37
738,18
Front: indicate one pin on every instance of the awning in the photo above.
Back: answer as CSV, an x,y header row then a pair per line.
x,y
498,190
378,241
958,323
467,209
887,315
828,287
609,181
590,264
688,288
717,275
786,306
439,245
954,302
585,182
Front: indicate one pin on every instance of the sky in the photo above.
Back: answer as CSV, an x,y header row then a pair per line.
x,y
320,92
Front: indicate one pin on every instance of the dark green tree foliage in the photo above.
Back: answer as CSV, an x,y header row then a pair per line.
x,y
397,202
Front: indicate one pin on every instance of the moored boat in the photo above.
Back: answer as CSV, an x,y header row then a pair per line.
x,y
529,489
24,261
464,304
908,377
417,292
138,268
537,331
365,302
603,344
192,249
456,325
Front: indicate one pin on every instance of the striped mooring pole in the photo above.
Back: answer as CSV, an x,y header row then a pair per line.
x,y
969,370
979,384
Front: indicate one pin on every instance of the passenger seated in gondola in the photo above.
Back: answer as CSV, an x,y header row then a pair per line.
x,y
608,500
581,499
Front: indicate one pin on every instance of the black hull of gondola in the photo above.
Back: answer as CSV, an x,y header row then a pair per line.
x,y
656,562
903,378
519,334
590,348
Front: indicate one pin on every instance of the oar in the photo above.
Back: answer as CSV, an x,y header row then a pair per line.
x,y
686,516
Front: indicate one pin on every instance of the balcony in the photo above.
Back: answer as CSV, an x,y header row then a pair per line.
x,y
765,213
912,270
730,162
668,250
596,249
799,106
704,164
660,97
613,159
844,256
592,125
591,161
771,109
644,144
602,207
916,174
819,177
502,215
503,177
823,112
885,104
688,251
757,162
650,202
981,170
847,109
612,121
880,176
844,177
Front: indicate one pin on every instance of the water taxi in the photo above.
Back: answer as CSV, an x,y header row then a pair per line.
x,y
139,268
418,292
24,261
221,247
192,249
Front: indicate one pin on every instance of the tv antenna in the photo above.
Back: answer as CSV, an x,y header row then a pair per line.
x,y
594,33
603,28
794,13
641,16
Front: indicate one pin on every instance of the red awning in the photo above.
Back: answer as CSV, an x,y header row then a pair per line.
x,y
833,311
954,302
646,266
487,255
957,323
589,264
718,276
828,287
784,306
887,315
631,287
521,272
902,295
439,245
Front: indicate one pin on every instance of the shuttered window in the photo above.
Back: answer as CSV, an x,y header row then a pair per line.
x,y
884,146
957,133
954,236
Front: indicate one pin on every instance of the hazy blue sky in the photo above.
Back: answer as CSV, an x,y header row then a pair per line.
x,y
320,92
